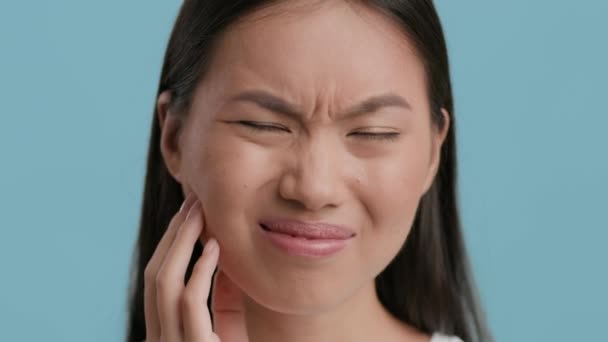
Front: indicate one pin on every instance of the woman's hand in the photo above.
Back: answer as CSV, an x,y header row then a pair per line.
x,y
176,312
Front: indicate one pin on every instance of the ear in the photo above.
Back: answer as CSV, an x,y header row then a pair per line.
x,y
170,127
438,138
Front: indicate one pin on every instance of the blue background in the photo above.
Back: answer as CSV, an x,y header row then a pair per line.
x,y
77,86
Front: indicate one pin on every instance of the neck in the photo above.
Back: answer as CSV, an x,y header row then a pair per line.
x,y
361,318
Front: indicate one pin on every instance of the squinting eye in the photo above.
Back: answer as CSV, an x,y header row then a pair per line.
x,y
388,136
257,126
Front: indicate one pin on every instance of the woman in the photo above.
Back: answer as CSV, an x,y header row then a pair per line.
x,y
314,144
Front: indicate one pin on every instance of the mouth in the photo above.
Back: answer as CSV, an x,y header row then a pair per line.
x,y
309,231
306,240
293,235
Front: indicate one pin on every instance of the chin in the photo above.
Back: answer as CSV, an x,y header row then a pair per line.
x,y
293,304
290,294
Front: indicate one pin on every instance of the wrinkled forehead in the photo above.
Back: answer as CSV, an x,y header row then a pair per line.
x,y
303,50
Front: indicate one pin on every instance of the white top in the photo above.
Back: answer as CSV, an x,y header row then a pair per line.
x,y
438,337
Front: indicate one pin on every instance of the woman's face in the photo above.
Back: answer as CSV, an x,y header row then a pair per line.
x,y
318,164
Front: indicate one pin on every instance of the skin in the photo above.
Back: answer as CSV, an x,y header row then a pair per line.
x,y
318,166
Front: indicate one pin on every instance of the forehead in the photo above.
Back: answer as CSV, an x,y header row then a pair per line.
x,y
334,47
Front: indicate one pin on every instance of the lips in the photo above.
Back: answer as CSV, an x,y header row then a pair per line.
x,y
311,231
311,241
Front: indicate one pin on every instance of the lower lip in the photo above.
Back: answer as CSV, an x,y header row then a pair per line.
x,y
305,247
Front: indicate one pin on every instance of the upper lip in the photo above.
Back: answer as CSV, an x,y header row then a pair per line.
x,y
309,230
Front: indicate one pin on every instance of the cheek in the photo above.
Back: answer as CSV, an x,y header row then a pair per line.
x,y
227,176
394,188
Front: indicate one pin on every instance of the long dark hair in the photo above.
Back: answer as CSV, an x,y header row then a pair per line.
x,y
429,283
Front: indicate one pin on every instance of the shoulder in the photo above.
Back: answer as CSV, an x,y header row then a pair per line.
x,y
439,337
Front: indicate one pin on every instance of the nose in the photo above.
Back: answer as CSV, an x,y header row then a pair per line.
x,y
314,178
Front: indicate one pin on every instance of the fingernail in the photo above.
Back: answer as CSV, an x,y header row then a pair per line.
x,y
195,208
187,202
211,245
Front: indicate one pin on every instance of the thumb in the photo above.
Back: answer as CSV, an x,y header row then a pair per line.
x,y
228,311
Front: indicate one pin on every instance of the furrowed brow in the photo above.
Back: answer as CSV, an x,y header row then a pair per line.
x,y
278,105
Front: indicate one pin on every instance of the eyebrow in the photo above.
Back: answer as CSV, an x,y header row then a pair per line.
x,y
276,104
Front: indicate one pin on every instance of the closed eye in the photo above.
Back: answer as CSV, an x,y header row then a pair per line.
x,y
385,136
261,127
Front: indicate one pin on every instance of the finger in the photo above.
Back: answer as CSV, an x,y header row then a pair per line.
x,y
151,270
170,279
196,318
